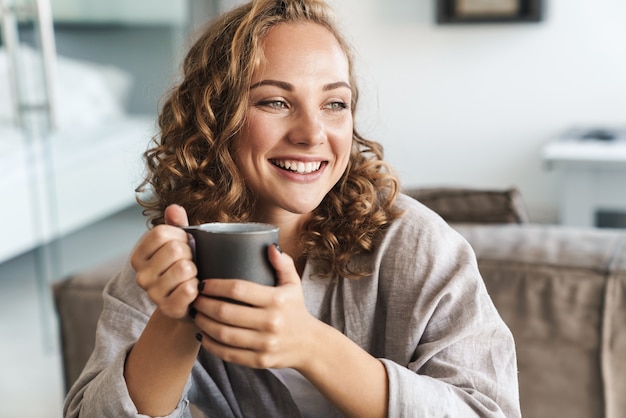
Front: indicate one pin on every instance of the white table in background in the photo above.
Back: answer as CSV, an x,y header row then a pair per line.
x,y
593,175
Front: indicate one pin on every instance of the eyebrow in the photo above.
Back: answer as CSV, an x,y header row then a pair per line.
x,y
289,87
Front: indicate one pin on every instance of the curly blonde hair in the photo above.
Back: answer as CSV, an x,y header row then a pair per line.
x,y
191,162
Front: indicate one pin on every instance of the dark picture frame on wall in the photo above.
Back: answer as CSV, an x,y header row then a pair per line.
x,y
488,11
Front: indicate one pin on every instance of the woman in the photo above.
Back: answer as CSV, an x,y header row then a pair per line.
x,y
379,308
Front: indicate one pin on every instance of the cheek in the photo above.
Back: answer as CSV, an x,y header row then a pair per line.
x,y
245,144
347,150
256,137
345,143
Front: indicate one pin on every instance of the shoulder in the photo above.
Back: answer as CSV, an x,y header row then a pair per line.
x,y
415,209
420,247
418,224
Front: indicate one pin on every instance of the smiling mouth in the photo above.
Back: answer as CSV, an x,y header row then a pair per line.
x,y
299,167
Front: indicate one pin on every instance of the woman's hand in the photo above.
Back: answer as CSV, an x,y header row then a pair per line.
x,y
274,330
164,265
269,328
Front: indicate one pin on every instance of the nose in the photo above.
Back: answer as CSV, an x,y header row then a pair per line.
x,y
307,129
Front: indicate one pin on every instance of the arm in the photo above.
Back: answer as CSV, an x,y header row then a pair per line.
x,y
160,362
348,376
463,365
143,356
448,352
157,367
101,389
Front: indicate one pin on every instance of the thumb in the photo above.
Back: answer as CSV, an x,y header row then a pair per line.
x,y
176,215
283,264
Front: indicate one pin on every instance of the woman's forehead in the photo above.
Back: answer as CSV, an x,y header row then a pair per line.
x,y
289,47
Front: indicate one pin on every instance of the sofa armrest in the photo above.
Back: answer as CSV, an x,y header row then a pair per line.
x,y
78,302
551,285
614,340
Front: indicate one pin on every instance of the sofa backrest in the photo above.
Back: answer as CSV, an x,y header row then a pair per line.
x,y
473,205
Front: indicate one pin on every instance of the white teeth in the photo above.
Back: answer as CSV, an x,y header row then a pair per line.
x,y
299,167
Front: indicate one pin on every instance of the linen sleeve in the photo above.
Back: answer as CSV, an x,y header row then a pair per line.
x,y
100,391
448,352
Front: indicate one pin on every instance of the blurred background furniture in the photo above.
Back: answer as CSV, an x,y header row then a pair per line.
x,y
464,205
77,111
561,290
592,164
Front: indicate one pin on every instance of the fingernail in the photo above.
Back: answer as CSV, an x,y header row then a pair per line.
x,y
191,241
193,312
280,250
201,286
199,337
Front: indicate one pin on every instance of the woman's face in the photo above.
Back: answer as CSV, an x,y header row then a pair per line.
x,y
295,144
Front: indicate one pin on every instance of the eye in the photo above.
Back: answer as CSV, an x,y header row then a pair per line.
x,y
336,106
273,104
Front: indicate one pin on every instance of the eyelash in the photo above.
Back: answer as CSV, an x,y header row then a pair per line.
x,y
273,103
341,106
280,104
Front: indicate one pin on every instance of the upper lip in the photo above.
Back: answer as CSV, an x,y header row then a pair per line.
x,y
303,158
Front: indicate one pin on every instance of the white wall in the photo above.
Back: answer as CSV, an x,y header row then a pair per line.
x,y
472,105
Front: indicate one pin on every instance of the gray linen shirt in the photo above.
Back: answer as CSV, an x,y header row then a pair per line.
x,y
424,312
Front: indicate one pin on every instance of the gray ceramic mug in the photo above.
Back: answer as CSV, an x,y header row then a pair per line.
x,y
234,251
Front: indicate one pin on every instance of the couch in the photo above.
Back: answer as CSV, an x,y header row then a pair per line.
x,y
561,290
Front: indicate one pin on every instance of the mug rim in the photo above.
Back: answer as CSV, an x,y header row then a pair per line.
x,y
233,227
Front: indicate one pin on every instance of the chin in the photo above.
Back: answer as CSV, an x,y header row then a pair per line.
x,y
302,207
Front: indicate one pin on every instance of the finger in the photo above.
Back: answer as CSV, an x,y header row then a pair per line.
x,y
242,291
176,215
167,256
177,303
169,253
286,272
160,286
154,240
228,312
232,336
238,355
238,345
